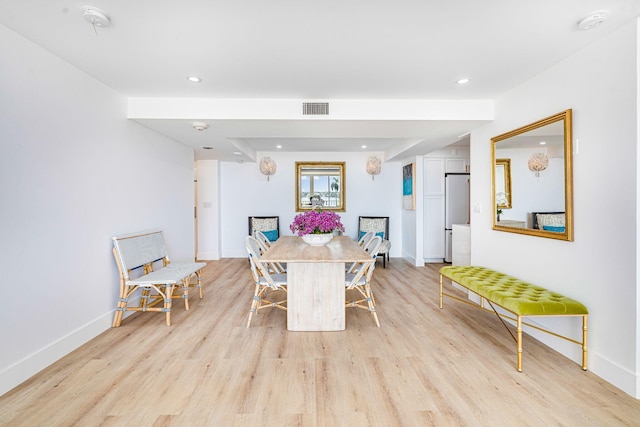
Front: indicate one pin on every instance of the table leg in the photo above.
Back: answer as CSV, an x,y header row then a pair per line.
x,y
315,296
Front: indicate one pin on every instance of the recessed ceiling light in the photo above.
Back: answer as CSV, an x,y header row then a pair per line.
x,y
364,146
463,81
194,79
206,147
593,20
543,143
278,146
237,153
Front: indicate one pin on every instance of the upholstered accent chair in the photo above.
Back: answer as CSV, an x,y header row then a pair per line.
x,y
269,225
380,226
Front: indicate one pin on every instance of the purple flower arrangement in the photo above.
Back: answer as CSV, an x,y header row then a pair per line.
x,y
316,222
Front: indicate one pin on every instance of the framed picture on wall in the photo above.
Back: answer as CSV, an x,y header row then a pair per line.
x,y
409,186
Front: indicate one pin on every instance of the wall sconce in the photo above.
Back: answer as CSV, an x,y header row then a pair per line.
x,y
538,162
374,166
267,166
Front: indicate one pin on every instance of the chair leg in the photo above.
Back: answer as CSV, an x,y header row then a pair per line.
x,y
199,282
185,292
168,292
121,307
254,304
372,307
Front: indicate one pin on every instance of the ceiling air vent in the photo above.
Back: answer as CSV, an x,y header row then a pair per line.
x,y
315,108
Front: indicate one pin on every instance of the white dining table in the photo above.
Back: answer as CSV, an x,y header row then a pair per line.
x,y
315,280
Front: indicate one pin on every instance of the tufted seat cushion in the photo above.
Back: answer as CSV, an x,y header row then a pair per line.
x,y
511,293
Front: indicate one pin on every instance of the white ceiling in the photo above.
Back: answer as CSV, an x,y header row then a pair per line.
x,y
314,50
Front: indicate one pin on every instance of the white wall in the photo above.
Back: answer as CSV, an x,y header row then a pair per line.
x,y
244,191
599,268
411,226
531,193
208,208
73,172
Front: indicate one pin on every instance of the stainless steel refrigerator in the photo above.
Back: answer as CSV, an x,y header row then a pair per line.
x,y
456,205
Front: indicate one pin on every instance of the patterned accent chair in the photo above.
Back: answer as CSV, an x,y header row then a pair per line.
x,y
269,225
380,226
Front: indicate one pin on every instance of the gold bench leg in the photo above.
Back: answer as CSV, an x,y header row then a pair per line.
x,y
519,332
584,342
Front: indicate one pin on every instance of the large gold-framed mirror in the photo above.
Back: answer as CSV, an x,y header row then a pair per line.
x,y
322,185
539,156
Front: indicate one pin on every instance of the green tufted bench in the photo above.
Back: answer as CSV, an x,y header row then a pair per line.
x,y
518,297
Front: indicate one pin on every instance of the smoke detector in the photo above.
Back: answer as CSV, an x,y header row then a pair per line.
x,y
95,16
593,20
199,126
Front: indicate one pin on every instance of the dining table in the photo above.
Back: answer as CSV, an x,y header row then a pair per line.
x,y
315,280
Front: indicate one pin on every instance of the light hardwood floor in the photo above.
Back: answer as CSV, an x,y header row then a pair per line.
x,y
424,366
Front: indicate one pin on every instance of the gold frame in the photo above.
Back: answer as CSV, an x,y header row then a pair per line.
x,y
566,118
322,165
506,164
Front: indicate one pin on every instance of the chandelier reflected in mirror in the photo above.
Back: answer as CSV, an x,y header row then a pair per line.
x,y
538,162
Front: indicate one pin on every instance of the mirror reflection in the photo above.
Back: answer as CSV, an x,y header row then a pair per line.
x,y
532,179
320,184
503,183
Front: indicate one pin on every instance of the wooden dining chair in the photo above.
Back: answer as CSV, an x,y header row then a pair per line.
x,y
365,243
365,238
266,284
265,244
359,282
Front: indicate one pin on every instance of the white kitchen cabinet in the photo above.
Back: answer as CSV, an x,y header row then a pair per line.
x,y
434,169
456,165
433,177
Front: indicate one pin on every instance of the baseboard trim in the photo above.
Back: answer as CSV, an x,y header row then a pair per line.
x,y
604,368
411,259
24,369
208,256
236,254
614,374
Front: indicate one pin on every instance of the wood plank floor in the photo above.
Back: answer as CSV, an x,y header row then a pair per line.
x,y
424,366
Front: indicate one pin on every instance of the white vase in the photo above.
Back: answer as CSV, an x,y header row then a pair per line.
x,y
317,239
